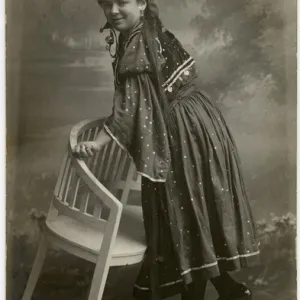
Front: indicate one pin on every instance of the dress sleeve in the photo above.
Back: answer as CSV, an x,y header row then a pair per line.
x,y
138,126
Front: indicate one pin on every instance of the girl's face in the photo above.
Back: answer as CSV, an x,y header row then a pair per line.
x,y
122,15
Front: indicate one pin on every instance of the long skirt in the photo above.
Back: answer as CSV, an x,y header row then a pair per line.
x,y
199,222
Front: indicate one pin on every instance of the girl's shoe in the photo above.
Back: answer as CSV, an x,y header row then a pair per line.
x,y
241,292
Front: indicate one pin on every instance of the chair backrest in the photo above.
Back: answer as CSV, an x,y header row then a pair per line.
x,y
79,182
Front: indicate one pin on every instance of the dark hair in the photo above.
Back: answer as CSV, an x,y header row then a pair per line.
x,y
152,29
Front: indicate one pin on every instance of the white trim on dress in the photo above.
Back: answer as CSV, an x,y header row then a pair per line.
x,y
160,47
178,75
237,256
220,258
178,70
150,178
165,284
114,138
201,267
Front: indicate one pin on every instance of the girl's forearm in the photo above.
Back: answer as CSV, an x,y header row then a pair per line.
x,y
103,138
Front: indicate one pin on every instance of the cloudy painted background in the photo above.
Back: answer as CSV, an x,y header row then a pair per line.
x,y
58,73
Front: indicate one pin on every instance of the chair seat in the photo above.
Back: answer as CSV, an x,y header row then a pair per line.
x,y
130,243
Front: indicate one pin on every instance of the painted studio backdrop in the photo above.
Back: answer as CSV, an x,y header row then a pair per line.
x,y
59,73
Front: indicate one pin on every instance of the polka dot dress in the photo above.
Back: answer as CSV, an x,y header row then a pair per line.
x,y
198,219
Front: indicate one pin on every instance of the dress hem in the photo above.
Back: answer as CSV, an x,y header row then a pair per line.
x,y
214,264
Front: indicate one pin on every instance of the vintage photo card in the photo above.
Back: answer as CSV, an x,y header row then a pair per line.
x,y
151,149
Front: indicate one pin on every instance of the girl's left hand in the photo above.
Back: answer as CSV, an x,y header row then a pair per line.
x,y
86,149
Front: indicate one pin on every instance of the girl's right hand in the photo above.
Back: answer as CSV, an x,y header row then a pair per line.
x,y
86,149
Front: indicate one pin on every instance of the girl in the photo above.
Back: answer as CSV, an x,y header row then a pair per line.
x,y
198,220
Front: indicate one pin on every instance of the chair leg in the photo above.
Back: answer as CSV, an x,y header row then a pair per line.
x,y
99,280
36,269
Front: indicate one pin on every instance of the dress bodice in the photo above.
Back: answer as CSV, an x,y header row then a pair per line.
x,y
177,65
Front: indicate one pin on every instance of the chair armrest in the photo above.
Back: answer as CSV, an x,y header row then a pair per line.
x,y
85,173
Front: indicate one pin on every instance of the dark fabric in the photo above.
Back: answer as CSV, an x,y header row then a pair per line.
x,y
198,219
137,122
179,67
224,284
138,126
205,224
194,291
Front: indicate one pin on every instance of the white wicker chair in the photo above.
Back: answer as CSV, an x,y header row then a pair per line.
x,y
89,215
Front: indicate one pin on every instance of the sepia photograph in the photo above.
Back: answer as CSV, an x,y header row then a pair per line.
x,y
151,149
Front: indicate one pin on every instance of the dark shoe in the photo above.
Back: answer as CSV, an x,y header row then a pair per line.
x,y
241,292
194,291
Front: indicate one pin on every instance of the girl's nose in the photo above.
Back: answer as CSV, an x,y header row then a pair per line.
x,y
114,8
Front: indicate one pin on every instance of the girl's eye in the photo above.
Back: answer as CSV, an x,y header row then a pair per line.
x,y
104,3
121,3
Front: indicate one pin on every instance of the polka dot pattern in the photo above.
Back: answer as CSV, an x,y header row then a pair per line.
x,y
137,125
198,219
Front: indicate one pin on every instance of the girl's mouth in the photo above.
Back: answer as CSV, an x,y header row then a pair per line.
x,y
116,20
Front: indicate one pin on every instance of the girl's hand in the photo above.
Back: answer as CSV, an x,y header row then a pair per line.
x,y
86,149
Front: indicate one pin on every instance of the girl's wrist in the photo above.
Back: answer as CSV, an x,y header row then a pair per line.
x,y
102,138
99,141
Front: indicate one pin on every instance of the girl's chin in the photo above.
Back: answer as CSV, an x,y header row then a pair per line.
x,y
120,26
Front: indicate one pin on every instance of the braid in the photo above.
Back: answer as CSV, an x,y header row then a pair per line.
x,y
152,29
152,16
